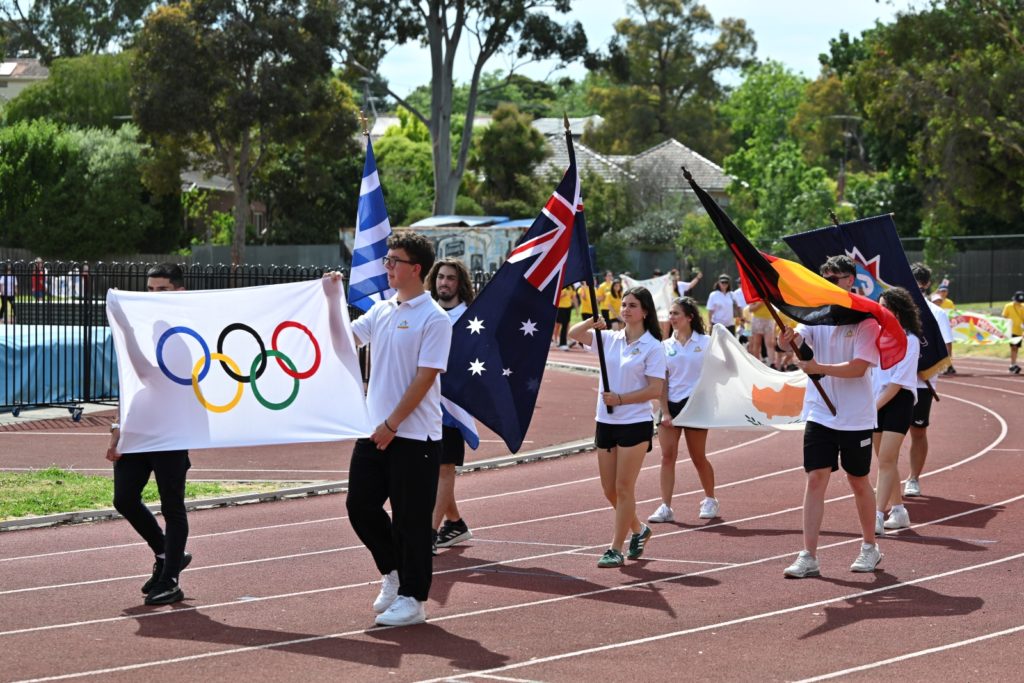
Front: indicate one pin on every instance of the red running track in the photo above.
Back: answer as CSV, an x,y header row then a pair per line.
x,y
283,590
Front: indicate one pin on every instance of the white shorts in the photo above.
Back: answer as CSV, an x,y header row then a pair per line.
x,y
763,326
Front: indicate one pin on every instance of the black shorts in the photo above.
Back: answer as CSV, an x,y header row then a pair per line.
x,y
453,446
676,407
923,408
895,416
608,436
563,316
824,446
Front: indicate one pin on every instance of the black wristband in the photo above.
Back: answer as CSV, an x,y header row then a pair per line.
x,y
393,431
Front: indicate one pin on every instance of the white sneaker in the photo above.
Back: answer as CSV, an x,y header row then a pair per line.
x,y
912,488
388,592
708,508
804,566
899,518
879,522
404,611
868,559
662,514
563,347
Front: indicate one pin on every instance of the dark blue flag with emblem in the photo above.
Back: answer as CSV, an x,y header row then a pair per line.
x,y
874,246
500,343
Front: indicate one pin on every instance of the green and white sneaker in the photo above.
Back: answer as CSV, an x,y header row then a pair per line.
x,y
638,541
611,558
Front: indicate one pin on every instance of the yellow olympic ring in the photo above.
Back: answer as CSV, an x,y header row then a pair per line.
x,y
199,392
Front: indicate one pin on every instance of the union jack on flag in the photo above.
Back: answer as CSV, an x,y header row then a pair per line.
x,y
500,344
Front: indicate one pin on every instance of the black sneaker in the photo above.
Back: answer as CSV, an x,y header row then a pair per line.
x,y
158,569
452,533
1015,369
165,593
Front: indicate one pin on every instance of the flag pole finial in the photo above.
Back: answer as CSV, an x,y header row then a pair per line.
x,y
565,121
366,127
686,173
835,219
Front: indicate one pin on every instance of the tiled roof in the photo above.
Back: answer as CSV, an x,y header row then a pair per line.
x,y
23,69
586,159
666,161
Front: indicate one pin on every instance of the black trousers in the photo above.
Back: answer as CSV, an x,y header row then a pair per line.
x,y
406,474
131,473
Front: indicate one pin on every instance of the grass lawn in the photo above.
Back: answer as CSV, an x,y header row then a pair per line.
x,y
53,491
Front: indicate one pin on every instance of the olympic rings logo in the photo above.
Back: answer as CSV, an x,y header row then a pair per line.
x,y
256,369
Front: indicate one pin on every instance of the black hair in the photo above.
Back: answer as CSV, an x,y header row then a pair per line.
x,y
922,274
171,271
617,282
691,309
839,264
418,248
465,289
899,301
650,311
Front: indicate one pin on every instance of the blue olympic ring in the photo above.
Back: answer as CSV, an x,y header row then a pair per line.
x,y
181,329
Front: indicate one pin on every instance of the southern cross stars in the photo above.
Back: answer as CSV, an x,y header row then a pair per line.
x,y
506,372
475,325
477,367
529,327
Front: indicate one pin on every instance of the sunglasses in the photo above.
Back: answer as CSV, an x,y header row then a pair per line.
x,y
834,279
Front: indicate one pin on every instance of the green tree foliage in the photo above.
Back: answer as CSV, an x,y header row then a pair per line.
x,y
75,194
311,187
70,28
239,76
523,29
506,152
776,190
406,170
91,91
663,64
941,92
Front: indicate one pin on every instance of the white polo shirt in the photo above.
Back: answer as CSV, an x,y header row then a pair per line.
x,y
903,373
853,397
629,366
403,337
720,307
945,330
684,362
683,287
455,312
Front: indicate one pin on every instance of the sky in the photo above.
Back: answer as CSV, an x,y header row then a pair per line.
x,y
793,32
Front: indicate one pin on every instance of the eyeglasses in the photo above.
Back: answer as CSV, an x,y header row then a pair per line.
x,y
390,261
834,279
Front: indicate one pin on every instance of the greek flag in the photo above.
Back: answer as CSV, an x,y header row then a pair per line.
x,y
368,282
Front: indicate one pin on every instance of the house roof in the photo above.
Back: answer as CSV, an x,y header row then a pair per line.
x,y
22,69
667,159
587,160
459,221
199,179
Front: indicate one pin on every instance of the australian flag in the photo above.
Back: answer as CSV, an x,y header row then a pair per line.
x,y
500,344
875,248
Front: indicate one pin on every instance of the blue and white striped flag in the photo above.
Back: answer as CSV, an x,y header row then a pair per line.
x,y
368,282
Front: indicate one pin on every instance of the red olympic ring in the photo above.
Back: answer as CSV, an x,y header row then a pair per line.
x,y
316,348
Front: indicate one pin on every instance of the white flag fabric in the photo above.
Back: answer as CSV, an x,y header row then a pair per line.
x,y
660,288
238,367
737,391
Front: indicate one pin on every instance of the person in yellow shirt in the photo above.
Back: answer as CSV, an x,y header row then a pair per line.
x,y
602,296
941,297
566,301
1015,312
614,300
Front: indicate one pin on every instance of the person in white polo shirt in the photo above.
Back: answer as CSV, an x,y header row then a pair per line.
x,y
636,374
409,337
684,357
842,357
721,305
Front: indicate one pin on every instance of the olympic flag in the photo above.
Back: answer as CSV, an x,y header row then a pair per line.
x,y
240,367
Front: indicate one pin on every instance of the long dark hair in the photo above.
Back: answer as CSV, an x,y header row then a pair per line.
x,y
691,309
465,288
647,305
899,301
616,284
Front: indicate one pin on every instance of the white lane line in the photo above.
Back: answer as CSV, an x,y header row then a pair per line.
x,y
719,625
492,677
549,545
72,468
912,655
551,658
325,520
982,386
1002,435
330,589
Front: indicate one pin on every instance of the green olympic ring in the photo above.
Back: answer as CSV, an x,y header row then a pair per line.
x,y
257,367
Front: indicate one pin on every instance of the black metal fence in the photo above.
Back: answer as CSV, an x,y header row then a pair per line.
x,y
55,346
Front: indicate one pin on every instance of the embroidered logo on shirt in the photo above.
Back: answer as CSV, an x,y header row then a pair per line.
x,y
635,351
696,349
849,333
671,350
403,324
